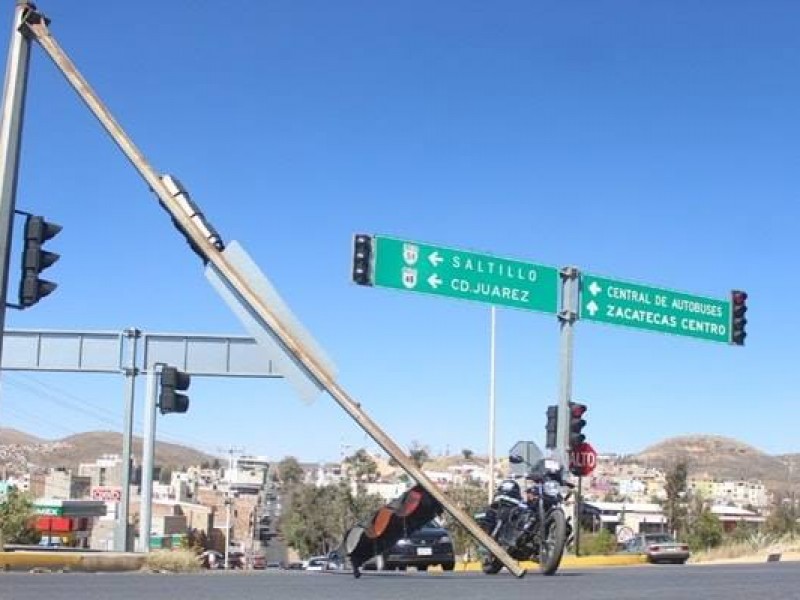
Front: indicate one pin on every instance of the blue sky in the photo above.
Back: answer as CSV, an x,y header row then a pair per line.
x,y
652,142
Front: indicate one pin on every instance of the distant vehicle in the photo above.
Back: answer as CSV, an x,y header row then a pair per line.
x,y
658,547
316,563
428,546
259,561
236,560
211,559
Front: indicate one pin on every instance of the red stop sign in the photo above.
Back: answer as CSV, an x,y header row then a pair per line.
x,y
582,459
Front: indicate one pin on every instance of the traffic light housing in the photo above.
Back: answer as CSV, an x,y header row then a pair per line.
x,y
362,259
36,259
576,424
552,427
397,519
172,382
738,320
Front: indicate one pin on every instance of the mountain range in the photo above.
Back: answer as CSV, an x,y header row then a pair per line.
x,y
710,455
20,452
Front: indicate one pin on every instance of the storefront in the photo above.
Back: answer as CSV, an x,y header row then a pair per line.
x,y
66,523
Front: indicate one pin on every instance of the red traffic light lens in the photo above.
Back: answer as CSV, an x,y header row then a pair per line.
x,y
577,410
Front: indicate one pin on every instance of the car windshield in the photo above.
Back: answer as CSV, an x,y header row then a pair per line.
x,y
659,538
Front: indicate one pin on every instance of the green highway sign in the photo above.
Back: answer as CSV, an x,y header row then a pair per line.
x,y
643,307
416,267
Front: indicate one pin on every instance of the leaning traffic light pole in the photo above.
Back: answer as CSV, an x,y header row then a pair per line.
x,y
206,244
10,140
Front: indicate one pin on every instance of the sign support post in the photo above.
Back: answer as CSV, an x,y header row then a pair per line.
x,y
567,316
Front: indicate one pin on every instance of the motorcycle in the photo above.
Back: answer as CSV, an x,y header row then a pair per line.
x,y
531,528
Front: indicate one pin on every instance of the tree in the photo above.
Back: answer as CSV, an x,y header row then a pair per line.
x,y
419,454
675,489
16,520
782,519
470,499
290,472
315,519
467,454
361,466
705,531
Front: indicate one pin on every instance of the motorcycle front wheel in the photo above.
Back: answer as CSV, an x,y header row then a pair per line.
x,y
555,538
490,565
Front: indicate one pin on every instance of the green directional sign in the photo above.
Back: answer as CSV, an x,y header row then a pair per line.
x,y
643,307
416,267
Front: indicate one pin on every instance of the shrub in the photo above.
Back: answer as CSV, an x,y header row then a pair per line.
x,y
174,561
602,542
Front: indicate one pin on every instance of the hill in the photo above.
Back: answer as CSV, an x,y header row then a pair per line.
x,y
21,452
721,457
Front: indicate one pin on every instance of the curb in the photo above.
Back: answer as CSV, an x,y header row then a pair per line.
x,y
569,562
21,560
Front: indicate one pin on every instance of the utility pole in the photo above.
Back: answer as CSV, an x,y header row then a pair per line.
x,y
13,110
228,501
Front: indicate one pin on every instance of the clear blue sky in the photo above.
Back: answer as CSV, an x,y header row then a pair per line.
x,y
653,142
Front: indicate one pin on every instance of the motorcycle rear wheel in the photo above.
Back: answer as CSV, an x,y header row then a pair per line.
x,y
555,538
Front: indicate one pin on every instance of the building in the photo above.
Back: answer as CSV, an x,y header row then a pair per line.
x,y
106,471
64,485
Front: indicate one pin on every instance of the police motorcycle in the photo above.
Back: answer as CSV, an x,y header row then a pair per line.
x,y
530,528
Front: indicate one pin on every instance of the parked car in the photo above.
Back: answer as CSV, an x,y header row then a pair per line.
x,y
316,563
659,548
428,546
258,561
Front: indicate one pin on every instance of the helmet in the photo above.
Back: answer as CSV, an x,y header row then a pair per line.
x,y
509,487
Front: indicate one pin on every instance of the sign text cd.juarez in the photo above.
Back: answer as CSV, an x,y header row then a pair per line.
x,y
645,307
417,267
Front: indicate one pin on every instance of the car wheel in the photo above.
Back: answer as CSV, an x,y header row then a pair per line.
x,y
448,566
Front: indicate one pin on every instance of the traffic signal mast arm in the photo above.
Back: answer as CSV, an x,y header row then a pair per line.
x,y
210,251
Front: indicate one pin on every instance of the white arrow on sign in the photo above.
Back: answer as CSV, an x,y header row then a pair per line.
x,y
595,288
592,307
435,259
434,281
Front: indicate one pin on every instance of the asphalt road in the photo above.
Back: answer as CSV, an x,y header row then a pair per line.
x,y
773,581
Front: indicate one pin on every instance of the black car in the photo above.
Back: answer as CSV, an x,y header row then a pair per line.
x,y
429,545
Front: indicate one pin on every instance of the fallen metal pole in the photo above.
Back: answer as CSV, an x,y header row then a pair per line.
x,y
206,248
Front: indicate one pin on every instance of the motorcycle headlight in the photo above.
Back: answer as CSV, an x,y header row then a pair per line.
x,y
551,465
551,488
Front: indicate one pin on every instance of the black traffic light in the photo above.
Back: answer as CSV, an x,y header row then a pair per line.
x,y
576,424
35,260
552,427
738,320
172,382
399,518
362,259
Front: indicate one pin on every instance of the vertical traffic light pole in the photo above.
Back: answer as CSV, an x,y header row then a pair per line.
x,y
148,451
567,317
122,537
13,109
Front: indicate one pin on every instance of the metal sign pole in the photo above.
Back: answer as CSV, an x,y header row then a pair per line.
x,y
123,526
567,317
13,109
492,404
148,451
